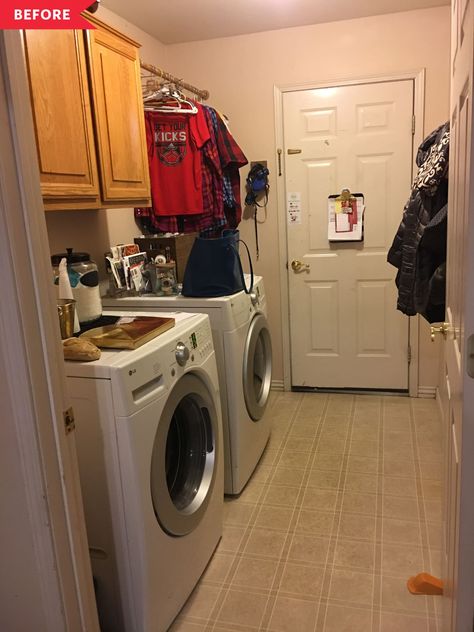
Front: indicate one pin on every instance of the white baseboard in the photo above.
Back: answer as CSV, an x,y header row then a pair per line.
x,y
427,392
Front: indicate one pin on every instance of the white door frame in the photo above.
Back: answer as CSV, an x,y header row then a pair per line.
x,y
47,582
418,77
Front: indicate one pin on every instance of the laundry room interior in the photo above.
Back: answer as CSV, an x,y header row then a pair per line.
x,y
243,321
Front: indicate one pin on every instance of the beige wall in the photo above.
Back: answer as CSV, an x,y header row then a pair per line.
x,y
240,73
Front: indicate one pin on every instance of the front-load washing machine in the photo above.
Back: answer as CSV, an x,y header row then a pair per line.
x,y
244,361
149,441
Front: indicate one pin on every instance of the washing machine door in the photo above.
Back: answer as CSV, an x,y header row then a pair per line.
x,y
257,367
184,459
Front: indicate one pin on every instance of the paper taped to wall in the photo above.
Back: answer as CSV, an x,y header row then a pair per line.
x,y
294,208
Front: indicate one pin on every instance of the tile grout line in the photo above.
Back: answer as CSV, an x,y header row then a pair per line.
x,y
419,499
212,621
321,618
426,548
282,565
418,496
339,493
377,596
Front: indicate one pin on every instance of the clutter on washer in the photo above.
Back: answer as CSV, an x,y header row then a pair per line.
x,y
80,350
173,246
84,280
132,272
128,332
214,267
67,315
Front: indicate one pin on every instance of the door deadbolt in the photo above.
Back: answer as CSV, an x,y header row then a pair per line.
x,y
299,266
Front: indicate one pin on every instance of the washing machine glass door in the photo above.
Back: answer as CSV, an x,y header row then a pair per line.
x,y
184,461
257,367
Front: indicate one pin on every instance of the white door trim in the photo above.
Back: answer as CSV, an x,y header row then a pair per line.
x,y
43,481
418,78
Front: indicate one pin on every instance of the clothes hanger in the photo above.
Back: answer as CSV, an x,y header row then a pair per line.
x,y
159,101
156,99
176,92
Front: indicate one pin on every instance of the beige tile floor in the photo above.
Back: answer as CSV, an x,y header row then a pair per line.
x,y
344,506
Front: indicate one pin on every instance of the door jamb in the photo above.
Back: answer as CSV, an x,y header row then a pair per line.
x,y
48,461
418,78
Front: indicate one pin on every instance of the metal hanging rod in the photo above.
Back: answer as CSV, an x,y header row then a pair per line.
x,y
203,94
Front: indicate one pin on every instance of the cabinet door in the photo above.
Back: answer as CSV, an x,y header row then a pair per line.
x,y
62,118
118,115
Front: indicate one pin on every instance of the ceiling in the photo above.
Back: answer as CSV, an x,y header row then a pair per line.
x,y
176,21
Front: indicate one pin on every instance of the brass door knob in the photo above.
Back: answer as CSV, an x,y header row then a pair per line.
x,y
299,266
439,329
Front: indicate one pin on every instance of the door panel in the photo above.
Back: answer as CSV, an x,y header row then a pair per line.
x,y
62,117
344,328
459,518
323,315
119,117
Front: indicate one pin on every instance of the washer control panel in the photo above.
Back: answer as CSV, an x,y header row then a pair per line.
x,y
181,354
200,342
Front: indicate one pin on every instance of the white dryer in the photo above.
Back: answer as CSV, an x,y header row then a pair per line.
x,y
149,440
244,361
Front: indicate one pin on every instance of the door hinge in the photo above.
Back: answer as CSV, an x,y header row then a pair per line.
x,y
69,423
279,152
409,354
413,124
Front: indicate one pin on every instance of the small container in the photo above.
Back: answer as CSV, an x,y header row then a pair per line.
x,y
84,279
66,307
166,275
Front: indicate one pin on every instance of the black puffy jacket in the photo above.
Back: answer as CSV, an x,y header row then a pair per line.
x,y
419,247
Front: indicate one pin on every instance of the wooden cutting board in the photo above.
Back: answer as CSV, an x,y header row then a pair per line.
x,y
129,333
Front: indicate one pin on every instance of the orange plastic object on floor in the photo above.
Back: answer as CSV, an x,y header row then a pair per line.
x,y
425,584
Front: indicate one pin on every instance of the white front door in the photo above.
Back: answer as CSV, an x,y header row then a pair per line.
x,y
344,328
459,346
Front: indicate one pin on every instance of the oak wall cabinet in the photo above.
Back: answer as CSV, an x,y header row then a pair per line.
x,y
88,117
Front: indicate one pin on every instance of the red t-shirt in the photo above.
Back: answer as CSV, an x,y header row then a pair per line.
x,y
174,142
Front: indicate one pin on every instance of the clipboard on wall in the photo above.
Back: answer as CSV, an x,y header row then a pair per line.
x,y
346,216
